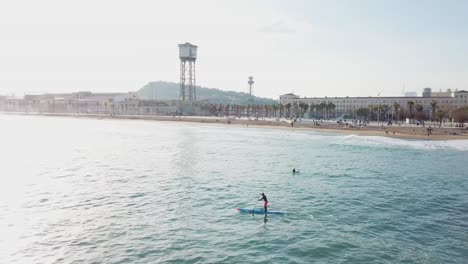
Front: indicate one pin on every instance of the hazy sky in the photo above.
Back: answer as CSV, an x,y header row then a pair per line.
x,y
314,48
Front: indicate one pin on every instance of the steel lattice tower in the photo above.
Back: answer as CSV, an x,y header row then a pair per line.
x,y
188,56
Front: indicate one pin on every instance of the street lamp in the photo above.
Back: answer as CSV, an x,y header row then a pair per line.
x,y
378,109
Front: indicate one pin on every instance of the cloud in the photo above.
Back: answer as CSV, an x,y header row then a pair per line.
x,y
278,27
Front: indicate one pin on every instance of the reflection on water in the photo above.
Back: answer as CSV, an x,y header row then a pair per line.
x,y
121,191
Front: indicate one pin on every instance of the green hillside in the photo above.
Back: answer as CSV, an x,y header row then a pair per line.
x,y
170,91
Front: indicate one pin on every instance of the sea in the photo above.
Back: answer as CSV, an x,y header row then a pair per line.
x,y
81,190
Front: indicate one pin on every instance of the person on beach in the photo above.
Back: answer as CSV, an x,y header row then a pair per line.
x,y
265,204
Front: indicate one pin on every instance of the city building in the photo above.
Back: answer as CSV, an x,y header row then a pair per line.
x,y
427,92
411,94
78,102
347,106
447,93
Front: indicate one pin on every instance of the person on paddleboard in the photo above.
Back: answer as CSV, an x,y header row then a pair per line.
x,y
264,198
295,171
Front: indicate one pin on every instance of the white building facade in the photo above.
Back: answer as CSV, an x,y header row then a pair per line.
x,y
347,106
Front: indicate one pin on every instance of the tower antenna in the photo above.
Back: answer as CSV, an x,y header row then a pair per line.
x,y
250,82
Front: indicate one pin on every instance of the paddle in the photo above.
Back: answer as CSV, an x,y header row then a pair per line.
x,y
256,203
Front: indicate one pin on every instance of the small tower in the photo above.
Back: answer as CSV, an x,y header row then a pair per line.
x,y
427,92
188,56
250,82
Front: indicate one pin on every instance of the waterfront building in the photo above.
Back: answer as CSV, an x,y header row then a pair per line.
x,y
347,106
78,102
157,107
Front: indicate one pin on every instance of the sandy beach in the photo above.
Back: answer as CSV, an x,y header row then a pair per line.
x,y
403,132
394,131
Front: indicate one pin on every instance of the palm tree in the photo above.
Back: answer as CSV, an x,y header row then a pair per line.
x,y
318,110
363,112
327,108
419,112
275,108
213,109
295,108
322,107
220,110
226,109
288,107
385,110
419,108
300,106
440,115
312,108
396,106
410,108
433,109
330,106
373,110
304,108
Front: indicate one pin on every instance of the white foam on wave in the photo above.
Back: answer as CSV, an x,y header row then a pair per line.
x,y
461,145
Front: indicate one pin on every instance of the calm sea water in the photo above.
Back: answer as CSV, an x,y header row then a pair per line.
x,y
122,191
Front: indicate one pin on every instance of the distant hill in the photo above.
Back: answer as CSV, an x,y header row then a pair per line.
x,y
170,91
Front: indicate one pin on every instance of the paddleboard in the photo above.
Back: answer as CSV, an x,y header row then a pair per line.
x,y
259,211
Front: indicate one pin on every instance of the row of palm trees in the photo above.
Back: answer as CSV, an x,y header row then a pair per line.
x,y
435,112
250,110
324,110
396,113
73,106
294,110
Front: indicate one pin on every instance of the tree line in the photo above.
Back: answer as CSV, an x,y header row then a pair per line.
x,y
326,110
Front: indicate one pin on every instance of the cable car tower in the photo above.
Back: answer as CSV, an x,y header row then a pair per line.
x,y
188,56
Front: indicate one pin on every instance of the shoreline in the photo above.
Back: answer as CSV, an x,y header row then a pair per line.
x,y
400,132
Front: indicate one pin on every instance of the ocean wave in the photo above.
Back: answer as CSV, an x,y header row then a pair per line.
x,y
461,145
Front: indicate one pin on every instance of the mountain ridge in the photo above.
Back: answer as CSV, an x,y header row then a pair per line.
x,y
161,90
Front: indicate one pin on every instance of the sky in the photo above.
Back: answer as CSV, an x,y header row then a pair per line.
x,y
311,48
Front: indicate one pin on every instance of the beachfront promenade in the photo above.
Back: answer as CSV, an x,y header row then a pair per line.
x,y
448,131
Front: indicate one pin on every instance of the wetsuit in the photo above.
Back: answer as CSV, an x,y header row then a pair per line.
x,y
264,198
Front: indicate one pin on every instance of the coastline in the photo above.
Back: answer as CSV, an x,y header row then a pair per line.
x,y
400,132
